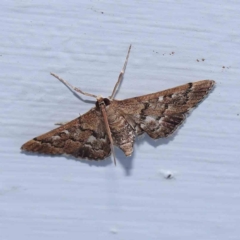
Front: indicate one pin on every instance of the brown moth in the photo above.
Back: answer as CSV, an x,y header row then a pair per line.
x,y
117,122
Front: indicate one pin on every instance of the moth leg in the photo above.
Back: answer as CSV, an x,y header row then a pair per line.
x,y
121,74
60,123
104,113
74,88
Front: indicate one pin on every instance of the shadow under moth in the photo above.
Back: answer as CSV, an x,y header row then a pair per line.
x,y
117,122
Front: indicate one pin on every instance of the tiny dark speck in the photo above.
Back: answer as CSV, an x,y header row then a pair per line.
x,y
169,176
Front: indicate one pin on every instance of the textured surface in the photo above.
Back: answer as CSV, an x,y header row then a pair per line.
x,y
86,44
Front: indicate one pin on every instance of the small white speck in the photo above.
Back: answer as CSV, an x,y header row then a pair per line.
x,y
55,138
167,174
65,131
149,119
113,230
91,139
160,98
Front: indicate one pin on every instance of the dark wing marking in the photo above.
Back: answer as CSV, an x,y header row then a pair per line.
x,y
83,137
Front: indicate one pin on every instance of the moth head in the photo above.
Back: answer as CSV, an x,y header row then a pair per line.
x,y
102,101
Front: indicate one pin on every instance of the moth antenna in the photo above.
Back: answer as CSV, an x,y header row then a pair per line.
x,y
74,88
121,74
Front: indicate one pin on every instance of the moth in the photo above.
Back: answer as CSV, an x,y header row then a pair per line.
x,y
113,122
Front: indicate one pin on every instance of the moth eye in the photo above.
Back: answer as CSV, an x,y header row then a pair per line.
x,y
106,101
97,105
